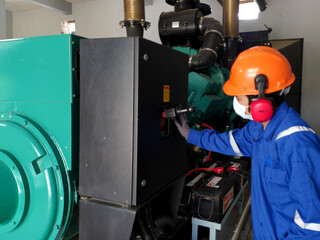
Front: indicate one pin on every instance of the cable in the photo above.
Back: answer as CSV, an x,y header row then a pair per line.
x,y
208,157
206,125
216,170
238,171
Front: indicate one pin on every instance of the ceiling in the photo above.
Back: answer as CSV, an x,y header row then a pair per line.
x,y
20,5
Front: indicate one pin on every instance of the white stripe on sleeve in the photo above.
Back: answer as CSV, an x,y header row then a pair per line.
x,y
303,225
234,144
292,130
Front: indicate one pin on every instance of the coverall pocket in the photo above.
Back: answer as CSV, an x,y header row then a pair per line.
x,y
276,185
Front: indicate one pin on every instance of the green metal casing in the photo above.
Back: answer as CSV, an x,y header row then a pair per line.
x,y
39,114
205,93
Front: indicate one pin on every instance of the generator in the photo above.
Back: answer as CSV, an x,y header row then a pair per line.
x,y
39,109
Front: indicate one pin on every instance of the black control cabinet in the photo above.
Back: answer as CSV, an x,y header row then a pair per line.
x,y
128,152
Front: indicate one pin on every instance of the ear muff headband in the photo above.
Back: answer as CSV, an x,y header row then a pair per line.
x,y
261,108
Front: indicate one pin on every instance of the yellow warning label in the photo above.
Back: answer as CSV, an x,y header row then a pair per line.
x,y
166,93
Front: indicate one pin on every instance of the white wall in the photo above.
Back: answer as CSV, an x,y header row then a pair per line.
x,y
94,19
298,19
287,18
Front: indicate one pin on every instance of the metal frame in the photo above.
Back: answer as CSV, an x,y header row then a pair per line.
x,y
3,24
213,226
57,5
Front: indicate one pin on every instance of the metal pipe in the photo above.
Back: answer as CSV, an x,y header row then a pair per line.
x,y
134,19
134,10
230,18
242,218
231,28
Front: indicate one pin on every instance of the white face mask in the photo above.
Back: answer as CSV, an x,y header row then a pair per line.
x,y
240,109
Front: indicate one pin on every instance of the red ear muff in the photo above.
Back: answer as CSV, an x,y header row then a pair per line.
x,y
261,110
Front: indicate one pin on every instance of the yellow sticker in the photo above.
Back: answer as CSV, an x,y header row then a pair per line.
x,y
166,93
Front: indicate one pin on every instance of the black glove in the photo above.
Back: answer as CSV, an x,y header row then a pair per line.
x,y
183,126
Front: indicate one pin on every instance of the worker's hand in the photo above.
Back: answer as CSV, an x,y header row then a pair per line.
x,y
183,126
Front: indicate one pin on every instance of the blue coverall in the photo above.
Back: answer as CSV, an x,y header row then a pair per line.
x,y
285,186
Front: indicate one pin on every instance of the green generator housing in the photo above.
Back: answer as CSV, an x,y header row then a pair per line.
x,y
205,93
39,121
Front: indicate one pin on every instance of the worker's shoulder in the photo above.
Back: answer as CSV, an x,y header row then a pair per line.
x,y
294,129
298,137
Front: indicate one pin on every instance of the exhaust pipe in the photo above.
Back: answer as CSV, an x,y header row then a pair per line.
x,y
230,18
213,33
134,18
231,27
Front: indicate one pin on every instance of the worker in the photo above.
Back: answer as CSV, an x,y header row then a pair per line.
x,y
284,150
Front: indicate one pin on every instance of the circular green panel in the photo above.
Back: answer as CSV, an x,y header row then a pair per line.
x,y
9,194
32,187
12,194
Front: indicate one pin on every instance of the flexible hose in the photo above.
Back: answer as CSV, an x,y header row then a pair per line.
x,y
213,35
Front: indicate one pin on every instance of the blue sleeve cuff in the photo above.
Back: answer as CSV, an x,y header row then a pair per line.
x,y
194,136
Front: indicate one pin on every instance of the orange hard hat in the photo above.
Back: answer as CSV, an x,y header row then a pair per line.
x,y
255,61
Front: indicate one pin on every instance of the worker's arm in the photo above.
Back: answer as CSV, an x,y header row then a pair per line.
x,y
234,143
303,163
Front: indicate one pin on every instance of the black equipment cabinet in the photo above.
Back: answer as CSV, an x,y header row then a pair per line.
x,y
292,49
128,150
